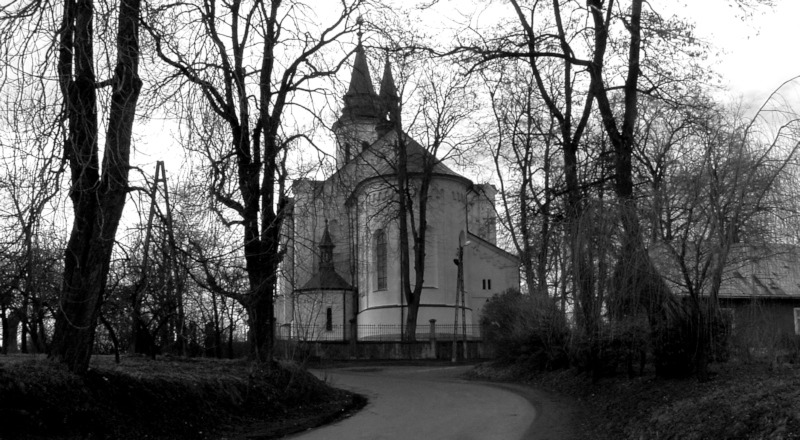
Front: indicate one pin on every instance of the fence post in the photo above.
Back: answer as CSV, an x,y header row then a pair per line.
x,y
432,338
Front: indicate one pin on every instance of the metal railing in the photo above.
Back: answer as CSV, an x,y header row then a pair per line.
x,y
311,332
377,332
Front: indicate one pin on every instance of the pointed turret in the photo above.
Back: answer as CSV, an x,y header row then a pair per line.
x,y
360,101
360,79
326,250
389,101
326,277
355,128
388,89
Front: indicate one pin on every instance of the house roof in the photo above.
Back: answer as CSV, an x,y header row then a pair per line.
x,y
771,271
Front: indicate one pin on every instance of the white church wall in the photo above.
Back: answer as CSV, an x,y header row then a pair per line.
x,y
488,271
304,247
311,315
443,314
446,219
481,212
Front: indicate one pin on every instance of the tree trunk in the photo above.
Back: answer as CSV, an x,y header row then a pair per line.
x,y
10,329
230,339
113,335
98,199
260,316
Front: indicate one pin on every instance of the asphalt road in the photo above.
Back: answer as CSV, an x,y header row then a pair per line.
x,y
433,403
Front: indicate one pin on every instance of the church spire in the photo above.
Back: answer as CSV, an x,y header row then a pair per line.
x,y
355,128
360,101
388,89
389,101
360,80
326,249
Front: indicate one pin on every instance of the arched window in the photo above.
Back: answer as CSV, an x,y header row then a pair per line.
x,y
380,259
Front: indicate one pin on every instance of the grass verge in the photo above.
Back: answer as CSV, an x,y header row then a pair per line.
x,y
742,401
165,398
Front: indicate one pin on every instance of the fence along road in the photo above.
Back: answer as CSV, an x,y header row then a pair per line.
x,y
377,332
425,403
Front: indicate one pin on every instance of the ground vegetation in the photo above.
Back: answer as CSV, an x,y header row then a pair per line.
x,y
165,398
743,399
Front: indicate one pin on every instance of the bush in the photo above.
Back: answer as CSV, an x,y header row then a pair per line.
x,y
675,343
526,328
673,348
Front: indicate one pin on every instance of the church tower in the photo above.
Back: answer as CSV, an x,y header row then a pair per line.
x,y
355,128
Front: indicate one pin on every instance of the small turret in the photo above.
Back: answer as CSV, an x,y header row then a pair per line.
x,y
326,250
389,101
360,101
325,278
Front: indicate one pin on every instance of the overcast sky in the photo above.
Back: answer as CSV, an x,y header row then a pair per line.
x,y
756,55
753,56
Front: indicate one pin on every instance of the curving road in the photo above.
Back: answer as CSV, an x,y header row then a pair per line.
x,y
432,403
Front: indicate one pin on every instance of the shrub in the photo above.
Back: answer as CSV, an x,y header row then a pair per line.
x,y
676,343
526,328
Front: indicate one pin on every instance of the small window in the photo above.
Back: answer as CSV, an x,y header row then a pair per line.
x,y
797,321
489,284
484,284
329,320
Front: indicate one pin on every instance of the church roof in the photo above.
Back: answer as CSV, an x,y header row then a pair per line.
x,y
494,247
417,157
380,157
326,279
379,160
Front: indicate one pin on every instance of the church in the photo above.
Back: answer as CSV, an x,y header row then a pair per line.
x,y
341,275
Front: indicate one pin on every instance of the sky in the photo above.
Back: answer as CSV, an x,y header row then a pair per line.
x,y
754,56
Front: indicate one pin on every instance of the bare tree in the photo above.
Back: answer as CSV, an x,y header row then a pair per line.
x,y
523,146
255,65
721,186
98,191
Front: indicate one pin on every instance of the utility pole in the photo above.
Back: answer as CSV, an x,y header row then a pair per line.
x,y
463,296
172,266
460,298
457,261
